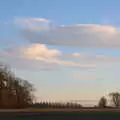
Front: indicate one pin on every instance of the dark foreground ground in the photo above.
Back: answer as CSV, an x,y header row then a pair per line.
x,y
61,115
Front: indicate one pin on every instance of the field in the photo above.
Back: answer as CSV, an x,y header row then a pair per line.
x,y
60,114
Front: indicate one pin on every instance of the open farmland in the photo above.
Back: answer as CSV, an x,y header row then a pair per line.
x,y
61,114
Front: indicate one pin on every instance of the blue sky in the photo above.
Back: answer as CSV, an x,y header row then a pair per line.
x,y
65,27
62,12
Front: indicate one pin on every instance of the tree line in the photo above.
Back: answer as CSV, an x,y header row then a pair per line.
x,y
18,93
103,103
56,105
14,91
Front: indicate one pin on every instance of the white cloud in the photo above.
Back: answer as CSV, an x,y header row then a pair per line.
x,y
37,50
40,52
81,35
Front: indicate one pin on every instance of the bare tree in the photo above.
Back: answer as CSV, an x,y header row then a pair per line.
x,y
115,98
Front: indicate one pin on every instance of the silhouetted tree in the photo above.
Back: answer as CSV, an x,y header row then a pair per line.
x,y
102,102
115,97
14,92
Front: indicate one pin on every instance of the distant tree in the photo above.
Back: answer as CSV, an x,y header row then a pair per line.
x,y
102,102
67,105
115,98
80,106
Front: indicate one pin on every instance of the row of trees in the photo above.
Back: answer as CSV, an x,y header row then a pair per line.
x,y
115,99
14,92
56,105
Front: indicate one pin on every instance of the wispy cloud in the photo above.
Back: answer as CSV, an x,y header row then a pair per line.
x,y
41,53
98,58
40,31
37,30
34,24
23,64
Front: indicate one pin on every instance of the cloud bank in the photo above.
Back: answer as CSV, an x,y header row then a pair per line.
x,y
80,35
40,33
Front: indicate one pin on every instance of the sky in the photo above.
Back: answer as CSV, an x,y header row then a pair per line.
x,y
69,49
